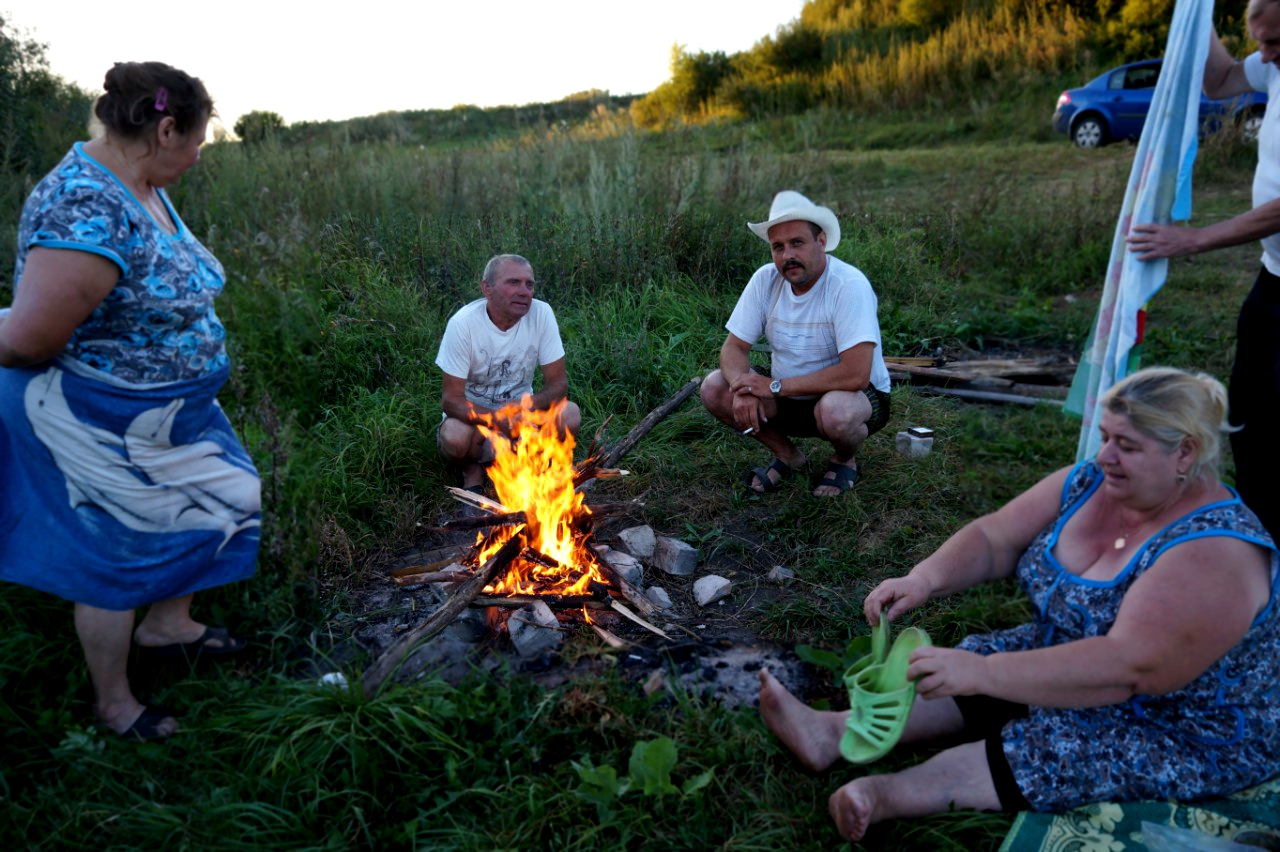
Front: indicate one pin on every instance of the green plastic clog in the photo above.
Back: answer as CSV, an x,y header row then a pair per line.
x,y
880,696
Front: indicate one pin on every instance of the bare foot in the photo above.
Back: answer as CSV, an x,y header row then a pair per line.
x,y
812,735
147,636
853,807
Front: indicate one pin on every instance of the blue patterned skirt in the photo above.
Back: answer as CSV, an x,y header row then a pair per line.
x,y
118,495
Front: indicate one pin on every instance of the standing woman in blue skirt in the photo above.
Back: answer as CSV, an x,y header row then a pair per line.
x,y
122,483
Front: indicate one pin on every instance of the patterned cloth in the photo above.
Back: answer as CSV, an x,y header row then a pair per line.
x,y
158,324
118,495
1159,191
1250,815
1217,735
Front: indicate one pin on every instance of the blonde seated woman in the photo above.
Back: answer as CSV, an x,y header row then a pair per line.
x,y
1149,669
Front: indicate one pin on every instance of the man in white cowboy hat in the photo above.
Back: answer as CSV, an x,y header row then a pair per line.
x,y
828,377
489,353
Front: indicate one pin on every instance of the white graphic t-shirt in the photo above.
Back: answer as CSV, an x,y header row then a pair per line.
x,y
498,365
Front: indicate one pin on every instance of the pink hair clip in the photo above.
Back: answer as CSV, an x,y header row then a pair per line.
x,y
162,99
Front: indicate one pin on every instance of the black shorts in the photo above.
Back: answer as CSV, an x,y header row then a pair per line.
x,y
795,417
984,717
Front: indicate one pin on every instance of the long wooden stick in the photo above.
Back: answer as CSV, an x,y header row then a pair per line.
x,y
431,577
627,444
594,466
441,618
618,607
478,500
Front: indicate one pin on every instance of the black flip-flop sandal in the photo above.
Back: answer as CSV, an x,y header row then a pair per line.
x,y
839,476
767,485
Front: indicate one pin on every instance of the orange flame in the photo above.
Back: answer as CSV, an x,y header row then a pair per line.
x,y
533,472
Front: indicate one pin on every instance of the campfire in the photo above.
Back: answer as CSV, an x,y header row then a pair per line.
x,y
534,543
533,474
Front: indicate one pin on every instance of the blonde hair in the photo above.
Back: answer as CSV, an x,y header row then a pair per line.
x,y
1171,405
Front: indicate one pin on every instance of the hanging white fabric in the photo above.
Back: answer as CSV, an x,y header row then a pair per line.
x,y
1159,191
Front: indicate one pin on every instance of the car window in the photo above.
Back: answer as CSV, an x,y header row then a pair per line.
x,y
1143,77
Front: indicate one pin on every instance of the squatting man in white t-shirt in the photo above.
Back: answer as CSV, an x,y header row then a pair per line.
x,y
828,376
489,352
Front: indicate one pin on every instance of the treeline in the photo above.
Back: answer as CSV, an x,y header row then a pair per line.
x,y
874,54
40,114
461,123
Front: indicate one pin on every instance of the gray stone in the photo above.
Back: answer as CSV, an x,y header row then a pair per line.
x,y
659,597
639,541
534,630
674,556
781,574
627,566
711,588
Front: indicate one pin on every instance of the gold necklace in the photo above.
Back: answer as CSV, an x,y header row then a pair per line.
x,y
1123,540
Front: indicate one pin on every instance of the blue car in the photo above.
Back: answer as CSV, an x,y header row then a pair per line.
x,y
1114,106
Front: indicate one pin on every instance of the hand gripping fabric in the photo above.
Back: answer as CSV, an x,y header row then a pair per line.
x,y
880,696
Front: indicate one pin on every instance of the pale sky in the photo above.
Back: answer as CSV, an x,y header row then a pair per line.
x,y
314,61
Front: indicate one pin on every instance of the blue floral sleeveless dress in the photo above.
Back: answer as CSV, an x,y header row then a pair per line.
x,y
1218,735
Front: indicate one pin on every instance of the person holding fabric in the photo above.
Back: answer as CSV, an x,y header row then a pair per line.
x,y
123,484
1255,376
1148,670
829,378
488,355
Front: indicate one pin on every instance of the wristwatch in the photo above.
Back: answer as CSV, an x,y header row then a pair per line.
x,y
775,387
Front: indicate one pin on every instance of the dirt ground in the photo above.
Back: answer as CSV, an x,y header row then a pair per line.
x,y
711,651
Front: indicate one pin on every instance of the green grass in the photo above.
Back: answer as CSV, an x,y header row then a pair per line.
x,y
345,262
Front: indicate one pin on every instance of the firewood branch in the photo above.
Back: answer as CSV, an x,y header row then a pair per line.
x,y
394,656
591,467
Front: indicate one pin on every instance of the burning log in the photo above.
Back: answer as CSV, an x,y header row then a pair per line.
x,y
538,558
484,521
553,601
392,658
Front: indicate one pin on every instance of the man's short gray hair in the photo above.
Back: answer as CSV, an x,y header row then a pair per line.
x,y
491,268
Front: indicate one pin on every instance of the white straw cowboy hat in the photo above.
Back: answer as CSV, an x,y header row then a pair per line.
x,y
791,206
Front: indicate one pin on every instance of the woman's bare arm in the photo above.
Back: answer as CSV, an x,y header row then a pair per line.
x,y
58,290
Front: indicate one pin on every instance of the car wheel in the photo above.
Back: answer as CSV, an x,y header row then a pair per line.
x,y
1251,125
1089,132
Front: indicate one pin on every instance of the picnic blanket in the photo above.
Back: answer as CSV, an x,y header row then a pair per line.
x,y
1159,191
118,495
1112,827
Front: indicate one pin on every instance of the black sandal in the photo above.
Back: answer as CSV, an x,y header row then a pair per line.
x,y
839,476
767,484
